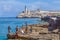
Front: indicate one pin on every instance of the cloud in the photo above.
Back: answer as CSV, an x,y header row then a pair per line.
x,y
37,5
7,8
54,5
7,0
51,5
56,2
10,5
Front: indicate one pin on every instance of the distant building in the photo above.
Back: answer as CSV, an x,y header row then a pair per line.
x,y
38,13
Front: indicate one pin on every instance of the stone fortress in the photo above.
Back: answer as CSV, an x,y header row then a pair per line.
x,y
37,13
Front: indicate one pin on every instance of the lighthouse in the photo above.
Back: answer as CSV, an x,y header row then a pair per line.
x,y
26,10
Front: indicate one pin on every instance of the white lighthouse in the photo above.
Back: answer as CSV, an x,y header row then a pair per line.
x,y
27,12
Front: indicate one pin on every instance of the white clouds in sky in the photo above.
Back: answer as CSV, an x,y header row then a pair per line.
x,y
38,4
17,6
10,5
52,5
56,2
7,8
14,4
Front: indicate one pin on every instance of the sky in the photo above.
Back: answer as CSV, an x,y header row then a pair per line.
x,y
11,8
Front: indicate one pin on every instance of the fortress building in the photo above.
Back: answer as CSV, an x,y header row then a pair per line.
x,y
37,13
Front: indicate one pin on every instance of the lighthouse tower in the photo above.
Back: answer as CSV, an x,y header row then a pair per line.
x,y
26,10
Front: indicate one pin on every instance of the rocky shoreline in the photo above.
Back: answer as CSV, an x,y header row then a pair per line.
x,y
38,32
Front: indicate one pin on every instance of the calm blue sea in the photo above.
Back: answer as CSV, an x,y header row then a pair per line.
x,y
13,22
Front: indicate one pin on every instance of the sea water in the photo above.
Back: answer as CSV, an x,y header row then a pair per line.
x,y
13,22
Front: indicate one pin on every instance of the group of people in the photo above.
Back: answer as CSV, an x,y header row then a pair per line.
x,y
16,34
22,30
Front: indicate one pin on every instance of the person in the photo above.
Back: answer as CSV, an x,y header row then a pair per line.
x,y
9,29
22,31
26,29
17,28
30,28
16,35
